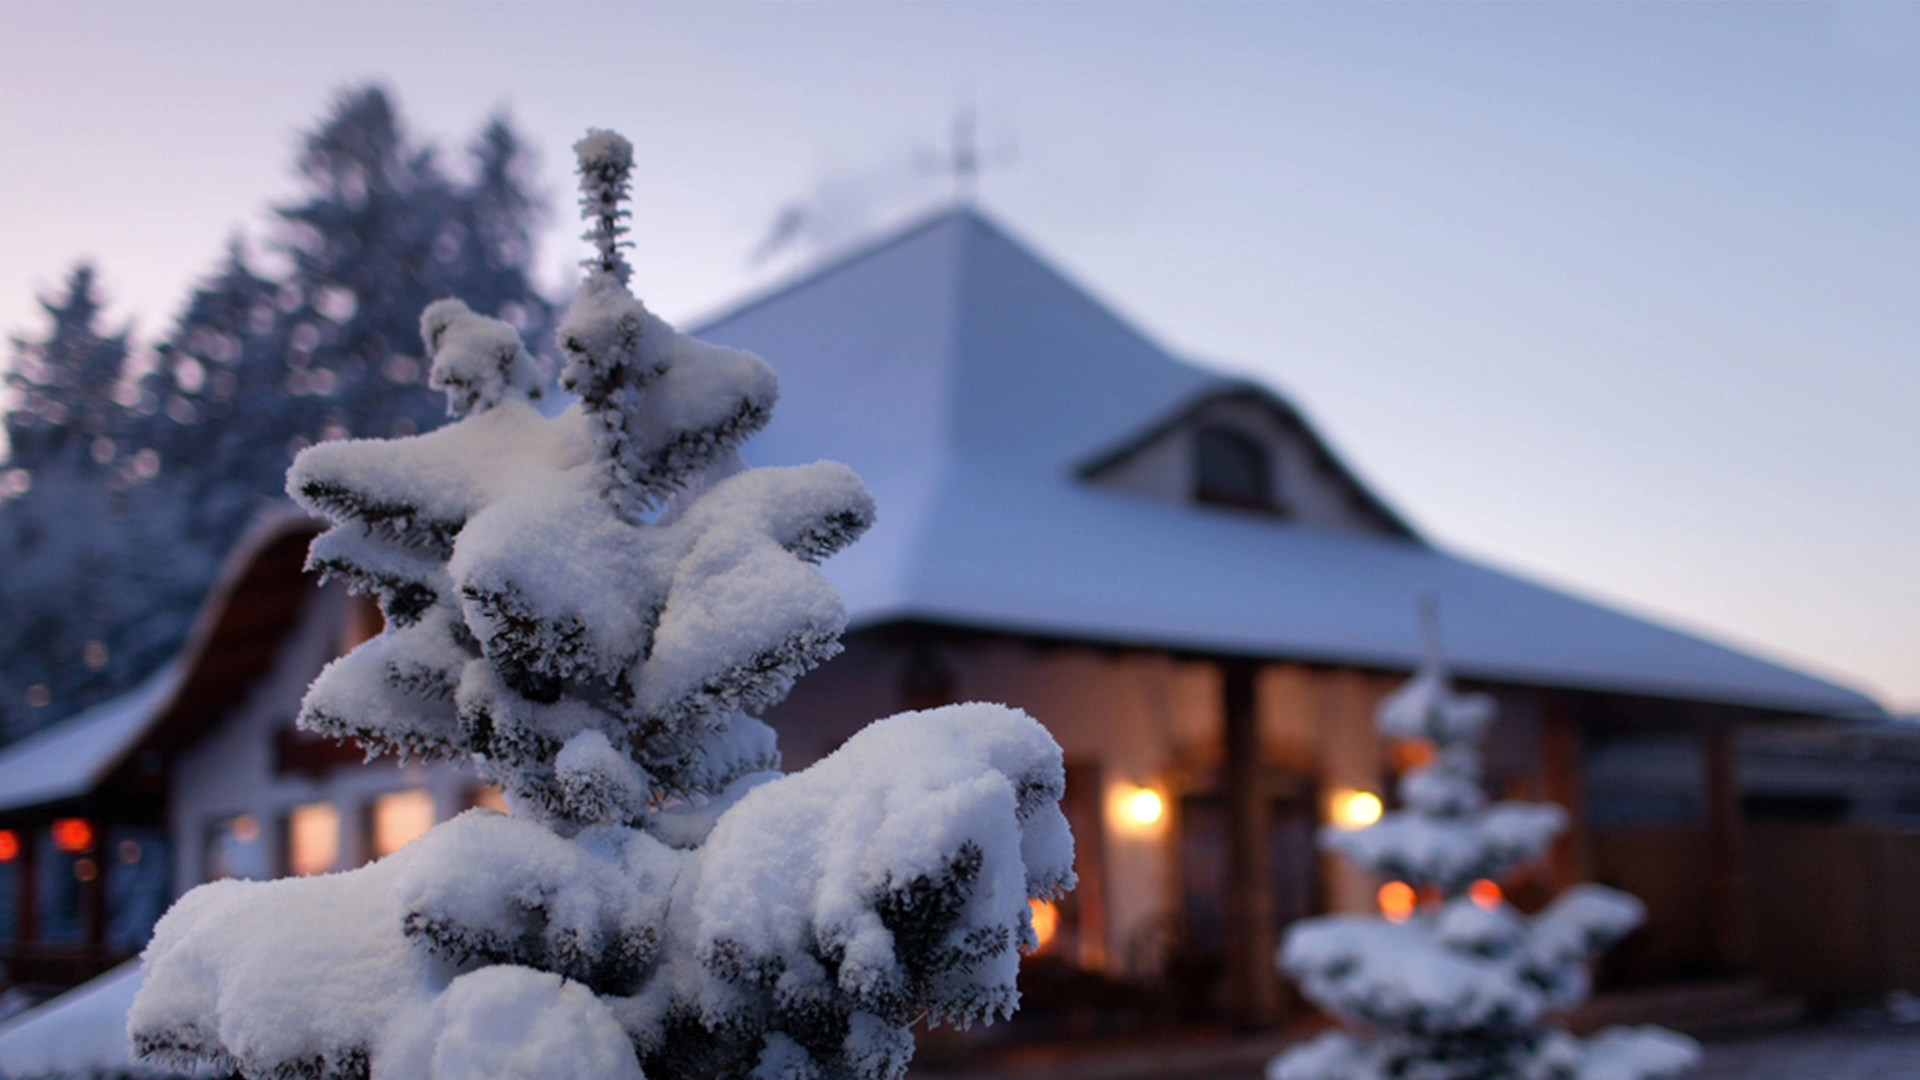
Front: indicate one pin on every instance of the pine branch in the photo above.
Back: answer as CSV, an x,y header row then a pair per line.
x,y
606,162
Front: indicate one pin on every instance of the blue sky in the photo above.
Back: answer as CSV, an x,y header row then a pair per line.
x,y
1619,296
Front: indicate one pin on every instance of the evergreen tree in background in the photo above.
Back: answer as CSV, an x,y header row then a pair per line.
x,y
219,397
1454,984
69,407
180,455
589,608
88,607
261,368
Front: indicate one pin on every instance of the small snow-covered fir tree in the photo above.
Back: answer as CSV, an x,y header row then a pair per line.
x,y
589,608
1458,987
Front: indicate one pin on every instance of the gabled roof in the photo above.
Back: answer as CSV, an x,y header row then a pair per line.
x,y
70,758
967,382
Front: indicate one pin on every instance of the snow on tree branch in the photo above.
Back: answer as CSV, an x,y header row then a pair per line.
x,y
476,360
606,160
588,608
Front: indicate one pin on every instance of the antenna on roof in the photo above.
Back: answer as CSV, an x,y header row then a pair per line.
x,y
962,160
843,205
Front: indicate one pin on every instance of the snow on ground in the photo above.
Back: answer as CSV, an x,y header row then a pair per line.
x,y
1826,1054
80,1032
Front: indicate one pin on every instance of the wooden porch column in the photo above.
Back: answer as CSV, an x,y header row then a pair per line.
x,y
1255,990
1729,936
1570,861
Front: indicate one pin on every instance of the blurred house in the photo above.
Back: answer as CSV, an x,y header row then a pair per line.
x,y
197,775
1179,576
1171,569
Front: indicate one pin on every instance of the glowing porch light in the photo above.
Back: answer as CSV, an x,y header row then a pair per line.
x,y
1356,809
1144,807
1046,921
1397,900
9,845
1485,893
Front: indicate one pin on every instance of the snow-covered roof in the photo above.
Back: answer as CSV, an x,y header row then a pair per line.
x,y
967,382
80,1033
68,759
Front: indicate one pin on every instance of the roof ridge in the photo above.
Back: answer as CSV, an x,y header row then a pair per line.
x,y
836,262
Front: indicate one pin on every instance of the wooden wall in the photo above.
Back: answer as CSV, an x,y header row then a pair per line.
x,y
1835,910
1832,911
1662,865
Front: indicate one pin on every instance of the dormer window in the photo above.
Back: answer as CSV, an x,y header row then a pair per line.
x,y
1231,468
1244,449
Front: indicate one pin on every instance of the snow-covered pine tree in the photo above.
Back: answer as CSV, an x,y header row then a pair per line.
x,y
589,608
52,496
66,413
256,367
77,525
184,458
1458,988
382,232
220,407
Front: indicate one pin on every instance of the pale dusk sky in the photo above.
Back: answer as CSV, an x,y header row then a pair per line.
x,y
1620,297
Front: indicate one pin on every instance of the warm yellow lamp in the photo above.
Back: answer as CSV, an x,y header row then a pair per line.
x,y
1145,807
1356,809
1046,921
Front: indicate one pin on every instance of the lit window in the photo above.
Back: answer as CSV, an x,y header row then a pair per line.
x,y
400,817
313,839
487,795
235,849
1231,469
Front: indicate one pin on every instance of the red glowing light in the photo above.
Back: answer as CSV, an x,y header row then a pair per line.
x,y
1397,900
1485,893
9,845
73,835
